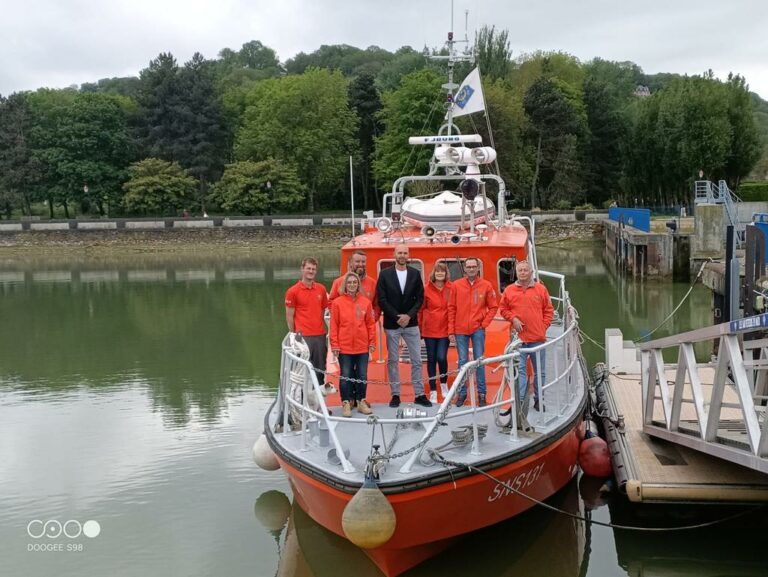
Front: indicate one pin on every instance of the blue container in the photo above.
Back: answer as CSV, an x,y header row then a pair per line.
x,y
639,218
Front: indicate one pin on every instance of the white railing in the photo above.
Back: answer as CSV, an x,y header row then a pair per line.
x,y
557,391
728,395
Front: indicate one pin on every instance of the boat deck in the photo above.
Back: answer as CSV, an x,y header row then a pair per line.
x,y
560,405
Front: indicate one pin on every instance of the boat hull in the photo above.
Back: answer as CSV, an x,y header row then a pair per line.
x,y
429,519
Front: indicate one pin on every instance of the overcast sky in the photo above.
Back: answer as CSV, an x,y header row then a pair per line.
x,y
57,43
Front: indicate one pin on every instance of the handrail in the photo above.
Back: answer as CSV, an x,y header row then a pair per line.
x,y
731,372
465,377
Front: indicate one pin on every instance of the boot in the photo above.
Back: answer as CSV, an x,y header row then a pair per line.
x,y
363,407
346,411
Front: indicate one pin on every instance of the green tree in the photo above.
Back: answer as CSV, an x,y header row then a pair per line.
x,y
181,117
746,142
494,56
365,100
413,109
253,62
557,125
19,170
405,61
249,187
607,125
157,187
84,143
350,60
305,121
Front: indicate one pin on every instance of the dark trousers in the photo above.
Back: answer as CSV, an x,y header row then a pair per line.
x,y
318,353
437,358
353,367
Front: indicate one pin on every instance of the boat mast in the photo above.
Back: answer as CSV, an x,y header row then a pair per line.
x,y
452,58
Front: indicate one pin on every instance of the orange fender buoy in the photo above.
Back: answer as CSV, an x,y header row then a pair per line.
x,y
594,458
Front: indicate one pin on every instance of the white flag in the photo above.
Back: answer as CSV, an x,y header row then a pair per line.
x,y
469,98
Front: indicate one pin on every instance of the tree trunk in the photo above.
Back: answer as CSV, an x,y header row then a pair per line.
x,y
311,199
536,174
65,204
50,208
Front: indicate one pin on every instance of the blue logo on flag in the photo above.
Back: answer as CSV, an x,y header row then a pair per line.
x,y
462,98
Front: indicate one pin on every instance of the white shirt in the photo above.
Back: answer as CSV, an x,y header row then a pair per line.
x,y
402,275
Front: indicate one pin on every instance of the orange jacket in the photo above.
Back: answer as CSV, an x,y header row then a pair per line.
x,y
433,314
472,306
352,325
367,289
532,306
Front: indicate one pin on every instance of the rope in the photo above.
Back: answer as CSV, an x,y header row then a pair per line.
x,y
690,290
589,520
677,308
413,148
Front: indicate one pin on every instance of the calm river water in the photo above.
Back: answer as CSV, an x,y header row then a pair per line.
x,y
132,390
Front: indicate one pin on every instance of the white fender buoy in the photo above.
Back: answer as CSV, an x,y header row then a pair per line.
x,y
369,520
263,455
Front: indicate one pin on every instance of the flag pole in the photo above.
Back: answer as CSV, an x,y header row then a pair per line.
x,y
352,195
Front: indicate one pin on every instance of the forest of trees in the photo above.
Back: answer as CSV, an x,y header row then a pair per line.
x,y
246,134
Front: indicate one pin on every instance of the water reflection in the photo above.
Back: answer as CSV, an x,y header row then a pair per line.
x,y
521,546
193,331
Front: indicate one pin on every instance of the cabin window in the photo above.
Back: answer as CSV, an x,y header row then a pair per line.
x,y
415,263
506,270
456,267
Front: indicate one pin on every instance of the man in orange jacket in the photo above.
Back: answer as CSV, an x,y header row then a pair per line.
x,y
526,304
471,310
357,264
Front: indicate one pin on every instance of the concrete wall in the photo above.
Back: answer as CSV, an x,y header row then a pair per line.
x,y
709,232
745,210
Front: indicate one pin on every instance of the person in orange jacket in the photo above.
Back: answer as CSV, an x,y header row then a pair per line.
x,y
353,338
356,264
527,306
433,320
472,308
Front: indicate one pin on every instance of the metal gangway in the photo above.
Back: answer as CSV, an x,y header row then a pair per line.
x,y
717,407
707,192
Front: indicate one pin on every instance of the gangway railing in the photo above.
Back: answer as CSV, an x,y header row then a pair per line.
x,y
717,407
708,192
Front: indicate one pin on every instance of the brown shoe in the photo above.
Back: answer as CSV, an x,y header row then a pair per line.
x,y
346,411
363,407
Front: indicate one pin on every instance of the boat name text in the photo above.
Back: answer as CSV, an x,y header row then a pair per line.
x,y
516,483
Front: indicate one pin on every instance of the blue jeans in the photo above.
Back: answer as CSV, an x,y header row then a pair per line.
x,y
353,367
478,350
437,357
523,383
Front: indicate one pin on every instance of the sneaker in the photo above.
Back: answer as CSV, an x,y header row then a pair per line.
x,y
461,400
444,389
346,411
433,397
395,402
481,402
536,404
363,407
422,400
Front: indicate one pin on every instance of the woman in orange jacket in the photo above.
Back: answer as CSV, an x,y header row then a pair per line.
x,y
353,338
433,321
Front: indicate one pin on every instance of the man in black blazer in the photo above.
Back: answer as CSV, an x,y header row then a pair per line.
x,y
400,293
